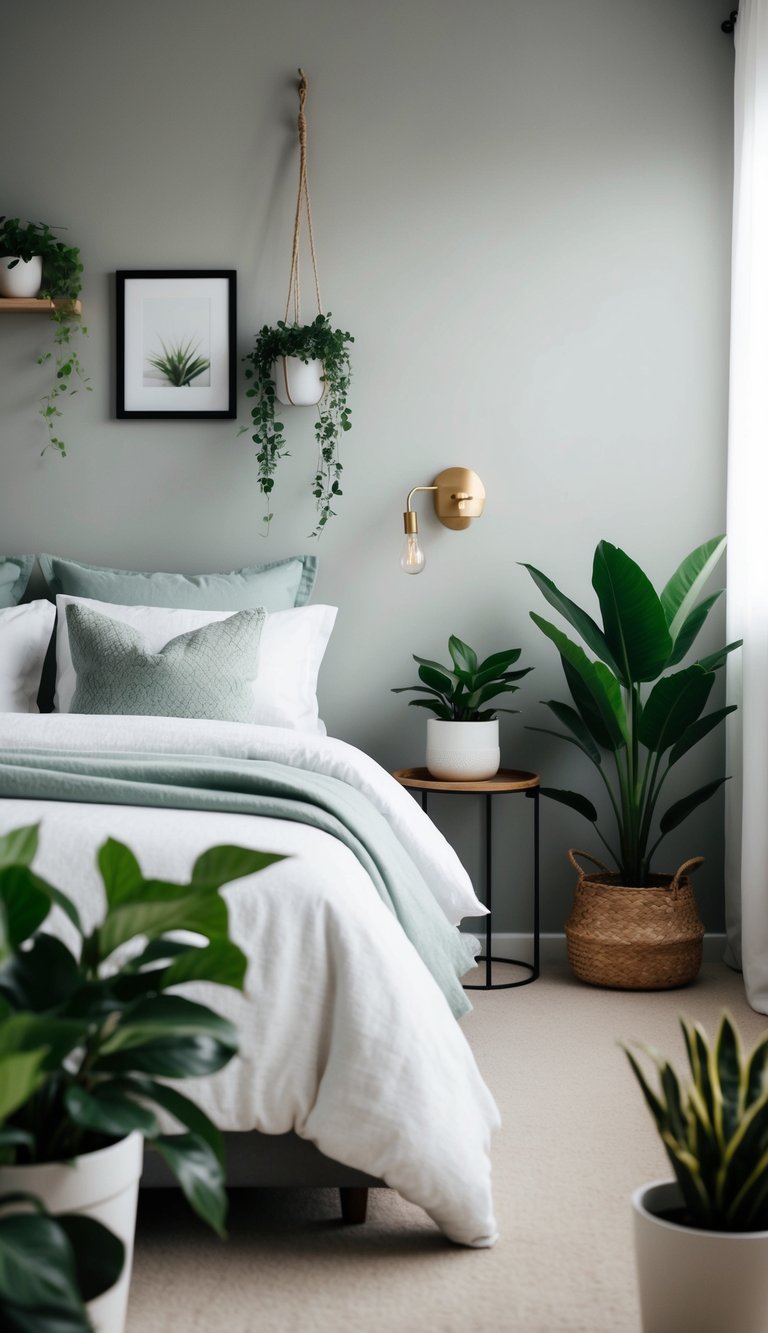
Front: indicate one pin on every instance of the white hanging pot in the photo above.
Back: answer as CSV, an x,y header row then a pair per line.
x,y
103,1185
298,383
463,751
694,1281
24,279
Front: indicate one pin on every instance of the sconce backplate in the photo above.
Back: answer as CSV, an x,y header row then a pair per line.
x,y
452,484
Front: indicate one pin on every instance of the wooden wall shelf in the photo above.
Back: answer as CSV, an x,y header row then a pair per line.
x,y
34,303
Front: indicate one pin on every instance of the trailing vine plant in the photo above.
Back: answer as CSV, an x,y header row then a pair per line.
x,y
62,283
316,341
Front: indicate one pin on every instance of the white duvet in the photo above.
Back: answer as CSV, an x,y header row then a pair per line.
x,y
345,1036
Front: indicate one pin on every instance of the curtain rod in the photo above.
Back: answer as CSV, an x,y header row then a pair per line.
x,y
729,24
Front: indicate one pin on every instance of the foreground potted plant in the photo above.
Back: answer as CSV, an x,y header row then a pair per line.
x,y
301,364
35,263
634,718
463,736
87,1035
701,1240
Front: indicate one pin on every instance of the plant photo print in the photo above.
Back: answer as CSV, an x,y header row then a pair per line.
x,y
177,342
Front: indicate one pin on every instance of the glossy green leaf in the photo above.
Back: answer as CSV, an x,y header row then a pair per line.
x,y
674,704
597,693
437,666
728,1057
120,871
221,865
199,1172
37,1269
169,1057
481,696
32,1032
715,660
633,617
41,977
187,1112
500,662
683,808
581,621
690,628
463,657
25,904
99,1254
221,961
575,723
686,584
573,799
18,847
166,907
697,731
20,1076
109,1110
167,1016
438,680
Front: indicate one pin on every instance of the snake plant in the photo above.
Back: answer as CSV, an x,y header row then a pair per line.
x,y
714,1127
635,738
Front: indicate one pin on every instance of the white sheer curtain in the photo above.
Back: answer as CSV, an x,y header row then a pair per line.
x,y
747,737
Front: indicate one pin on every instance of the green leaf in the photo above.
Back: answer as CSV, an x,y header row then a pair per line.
x,y
633,617
120,871
436,666
33,1032
108,1110
500,662
728,1058
683,808
573,799
20,1076
697,731
166,907
24,901
187,1112
755,1074
441,682
690,628
99,1254
221,961
200,1175
674,704
596,692
716,660
222,865
37,1270
41,977
169,1036
463,657
575,723
581,621
19,846
681,592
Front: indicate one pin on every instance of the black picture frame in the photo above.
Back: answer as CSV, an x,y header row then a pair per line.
x,y
181,316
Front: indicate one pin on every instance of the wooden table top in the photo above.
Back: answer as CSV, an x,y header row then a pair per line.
x,y
507,779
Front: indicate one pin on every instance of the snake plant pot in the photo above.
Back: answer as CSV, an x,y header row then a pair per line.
x,y
103,1185
693,1281
463,751
298,383
24,279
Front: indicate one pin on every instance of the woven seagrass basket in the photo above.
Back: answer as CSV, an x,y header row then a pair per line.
x,y
634,939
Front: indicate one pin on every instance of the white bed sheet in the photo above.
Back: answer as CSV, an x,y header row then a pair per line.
x,y
345,1036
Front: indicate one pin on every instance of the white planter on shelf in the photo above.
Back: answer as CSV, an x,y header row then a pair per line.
x,y
694,1281
463,751
25,279
103,1185
298,383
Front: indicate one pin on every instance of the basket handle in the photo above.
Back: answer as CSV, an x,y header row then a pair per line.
x,y
687,867
573,852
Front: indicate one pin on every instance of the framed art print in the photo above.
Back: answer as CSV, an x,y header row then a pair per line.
x,y
176,335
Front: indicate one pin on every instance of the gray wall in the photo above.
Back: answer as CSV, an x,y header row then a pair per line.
x,y
522,211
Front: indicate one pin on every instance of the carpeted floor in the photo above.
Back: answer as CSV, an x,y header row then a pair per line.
x,y
576,1140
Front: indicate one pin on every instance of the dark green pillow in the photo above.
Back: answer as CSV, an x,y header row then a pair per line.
x,y
205,673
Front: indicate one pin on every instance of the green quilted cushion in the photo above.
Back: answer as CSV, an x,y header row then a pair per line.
x,y
206,673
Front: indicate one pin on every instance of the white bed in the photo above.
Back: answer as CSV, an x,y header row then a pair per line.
x,y
346,1039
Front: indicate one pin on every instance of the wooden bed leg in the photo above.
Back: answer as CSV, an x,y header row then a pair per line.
x,y
354,1204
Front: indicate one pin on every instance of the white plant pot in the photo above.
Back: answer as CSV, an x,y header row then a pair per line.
x,y
25,279
463,751
694,1281
298,383
103,1185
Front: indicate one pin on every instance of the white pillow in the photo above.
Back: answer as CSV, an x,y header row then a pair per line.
x,y
25,632
292,648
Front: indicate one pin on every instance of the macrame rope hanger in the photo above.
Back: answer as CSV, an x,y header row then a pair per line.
x,y
302,201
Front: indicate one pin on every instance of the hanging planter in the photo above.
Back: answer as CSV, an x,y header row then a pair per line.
x,y
301,364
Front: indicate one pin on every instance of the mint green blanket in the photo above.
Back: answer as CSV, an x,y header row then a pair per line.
x,y
257,787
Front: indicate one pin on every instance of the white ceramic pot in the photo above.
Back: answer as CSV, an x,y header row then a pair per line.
x,y
462,751
696,1281
298,383
103,1185
25,279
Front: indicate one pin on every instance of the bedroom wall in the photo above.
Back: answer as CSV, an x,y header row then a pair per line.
x,y
522,212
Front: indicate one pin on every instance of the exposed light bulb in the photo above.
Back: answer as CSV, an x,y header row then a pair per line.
x,y
413,559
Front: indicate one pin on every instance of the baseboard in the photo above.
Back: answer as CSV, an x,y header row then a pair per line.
x,y
552,946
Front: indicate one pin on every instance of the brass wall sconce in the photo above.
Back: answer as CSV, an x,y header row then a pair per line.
x,y
459,497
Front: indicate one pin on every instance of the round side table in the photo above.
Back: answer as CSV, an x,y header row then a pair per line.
x,y
507,782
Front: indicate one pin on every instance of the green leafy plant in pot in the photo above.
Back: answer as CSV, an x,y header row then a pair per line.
x,y
60,271
275,348
635,717
89,1035
463,736
702,1239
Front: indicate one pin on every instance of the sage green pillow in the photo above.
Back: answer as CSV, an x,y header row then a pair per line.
x,y
277,586
14,577
205,673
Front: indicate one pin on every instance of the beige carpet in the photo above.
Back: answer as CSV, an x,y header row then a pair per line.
x,y
576,1140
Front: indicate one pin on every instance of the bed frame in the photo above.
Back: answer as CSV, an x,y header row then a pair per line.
x,y
276,1161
